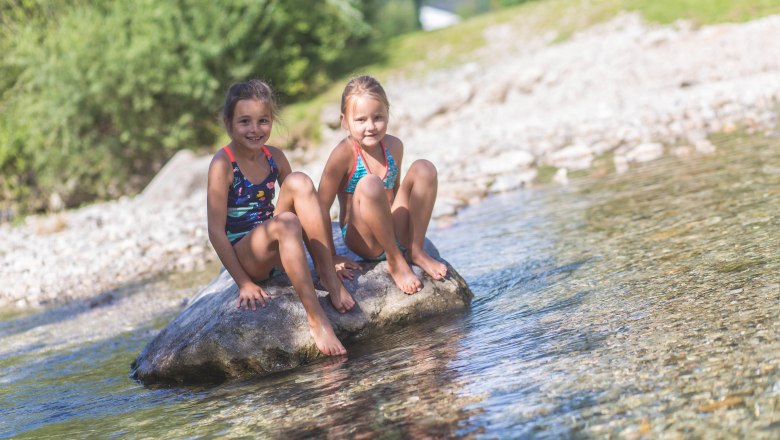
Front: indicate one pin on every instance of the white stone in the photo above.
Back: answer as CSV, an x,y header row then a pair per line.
x,y
573,157
621,163
511,182
645,152
561,176
704,146
505,163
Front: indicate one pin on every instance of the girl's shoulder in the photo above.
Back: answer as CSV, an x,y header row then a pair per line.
x,y
282,164
392,141
393,144
389,138
341,158
275,152
220,170
343,151
221,160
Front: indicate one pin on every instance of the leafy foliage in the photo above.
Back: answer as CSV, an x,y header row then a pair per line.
x,y
95,96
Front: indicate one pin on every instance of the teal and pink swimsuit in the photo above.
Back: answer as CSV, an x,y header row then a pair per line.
x,y
360,170
249,204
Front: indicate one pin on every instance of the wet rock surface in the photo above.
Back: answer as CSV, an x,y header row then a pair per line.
x,y
212,340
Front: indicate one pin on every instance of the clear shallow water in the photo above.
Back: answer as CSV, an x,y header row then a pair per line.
x,y
643,304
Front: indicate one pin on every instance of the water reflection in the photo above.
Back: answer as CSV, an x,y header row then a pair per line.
x,y
400,387
668,331
625,306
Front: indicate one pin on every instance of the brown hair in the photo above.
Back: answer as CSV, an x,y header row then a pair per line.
x,y
363,85
252,89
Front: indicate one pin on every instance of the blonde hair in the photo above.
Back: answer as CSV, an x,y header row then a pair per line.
x,y
363,85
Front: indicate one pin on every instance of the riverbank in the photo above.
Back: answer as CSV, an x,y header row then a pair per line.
x,y
629,306
524,110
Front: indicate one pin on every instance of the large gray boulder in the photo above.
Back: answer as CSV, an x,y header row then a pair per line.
x,y
184,174
211,340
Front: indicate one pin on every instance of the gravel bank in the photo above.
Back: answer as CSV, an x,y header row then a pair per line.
x,y
624,90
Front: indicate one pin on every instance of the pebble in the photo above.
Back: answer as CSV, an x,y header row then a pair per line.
x,y
625,87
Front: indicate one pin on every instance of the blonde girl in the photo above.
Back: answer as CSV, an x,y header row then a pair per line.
x,y
251,236
381,215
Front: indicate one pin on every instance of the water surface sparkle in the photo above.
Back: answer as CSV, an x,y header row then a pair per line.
x,y
645,303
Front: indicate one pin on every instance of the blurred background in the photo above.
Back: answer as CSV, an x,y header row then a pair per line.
x,y
97,95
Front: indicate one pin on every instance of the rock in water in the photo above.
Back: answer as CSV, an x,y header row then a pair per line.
x,y
211,340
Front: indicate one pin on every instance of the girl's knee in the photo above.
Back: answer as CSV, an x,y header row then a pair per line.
x,y
370,186
287,223
424,168
299,182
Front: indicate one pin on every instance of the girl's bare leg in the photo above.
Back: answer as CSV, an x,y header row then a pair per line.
x,y
285,230
299,196
374,232
412,211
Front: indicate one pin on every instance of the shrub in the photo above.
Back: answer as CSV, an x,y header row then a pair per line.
x,y
97,96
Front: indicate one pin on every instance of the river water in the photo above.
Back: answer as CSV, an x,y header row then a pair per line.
x,y
644,304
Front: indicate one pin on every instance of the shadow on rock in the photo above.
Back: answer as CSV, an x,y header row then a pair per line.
x,y
212,341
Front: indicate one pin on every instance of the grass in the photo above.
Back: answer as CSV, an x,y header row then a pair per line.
x,y
738,265
415,54
703,12
545,173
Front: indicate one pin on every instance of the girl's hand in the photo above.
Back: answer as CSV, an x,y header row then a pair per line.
x,y
345,266
250,294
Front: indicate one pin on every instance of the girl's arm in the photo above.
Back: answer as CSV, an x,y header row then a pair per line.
x,y
219,179
336,170
396,148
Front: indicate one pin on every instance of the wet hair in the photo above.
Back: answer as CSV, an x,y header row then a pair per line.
x,y
252,89
363,85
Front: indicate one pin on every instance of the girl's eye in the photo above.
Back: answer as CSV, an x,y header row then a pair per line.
x,y
265,121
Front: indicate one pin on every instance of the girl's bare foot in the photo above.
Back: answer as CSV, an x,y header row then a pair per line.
x,y
436,269
339,295
326,340
403,276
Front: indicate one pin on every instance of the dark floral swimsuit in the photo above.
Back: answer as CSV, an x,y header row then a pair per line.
x,y
249,204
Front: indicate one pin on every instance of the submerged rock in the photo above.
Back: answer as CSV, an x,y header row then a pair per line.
x,y
212,340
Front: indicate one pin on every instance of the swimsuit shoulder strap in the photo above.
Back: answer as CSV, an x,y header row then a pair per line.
x,y
359,159
229,153
391,168
357,171
388,157
269,158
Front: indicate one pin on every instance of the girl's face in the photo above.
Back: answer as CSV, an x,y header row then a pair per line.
x,y
251,124
366,120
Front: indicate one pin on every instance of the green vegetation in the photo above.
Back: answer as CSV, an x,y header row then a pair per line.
x,y
738,265
416,53
703,11
545,173
96,95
